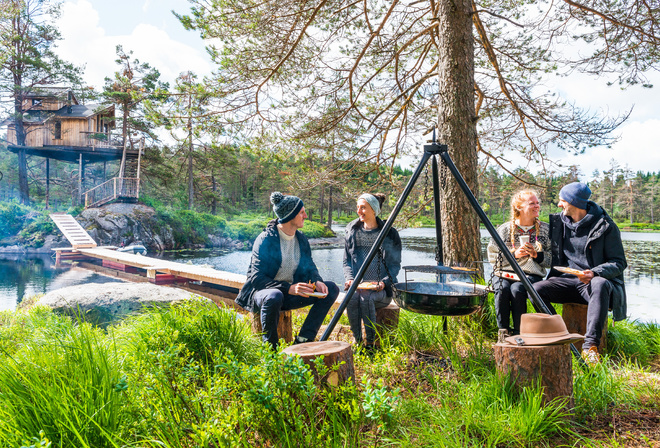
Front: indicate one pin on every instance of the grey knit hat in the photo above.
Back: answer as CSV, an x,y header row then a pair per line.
x,y
577,194
285,207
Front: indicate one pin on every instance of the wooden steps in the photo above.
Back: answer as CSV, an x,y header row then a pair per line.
x,y
77,236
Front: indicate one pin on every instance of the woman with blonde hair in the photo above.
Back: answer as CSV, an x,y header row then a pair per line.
x,y
528,240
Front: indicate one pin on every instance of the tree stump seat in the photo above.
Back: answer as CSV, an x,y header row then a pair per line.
x,y
337,356
387,320
575,317
527,364
284,326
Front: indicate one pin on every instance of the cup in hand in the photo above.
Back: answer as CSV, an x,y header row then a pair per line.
x,y
524,239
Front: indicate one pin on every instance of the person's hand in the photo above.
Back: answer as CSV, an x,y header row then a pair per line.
x,y
531,250
301,289
586,276
322,288
347,284
526,250
380,286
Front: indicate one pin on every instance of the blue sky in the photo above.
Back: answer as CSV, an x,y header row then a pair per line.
x,y
92,28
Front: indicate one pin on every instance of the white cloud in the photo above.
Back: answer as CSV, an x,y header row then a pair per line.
x,y
638,148
85,42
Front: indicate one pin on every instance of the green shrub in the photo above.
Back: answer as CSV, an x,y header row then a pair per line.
x,y
12,218
244,231
315,230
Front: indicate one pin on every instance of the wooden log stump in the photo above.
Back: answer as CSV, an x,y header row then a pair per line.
x,y
337,356
552,364
387,320
575,317
284,326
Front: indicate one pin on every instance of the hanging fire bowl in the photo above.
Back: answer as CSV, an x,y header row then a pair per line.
x,y
454,294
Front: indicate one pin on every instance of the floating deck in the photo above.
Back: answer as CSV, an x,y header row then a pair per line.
x,y
158,271
155,266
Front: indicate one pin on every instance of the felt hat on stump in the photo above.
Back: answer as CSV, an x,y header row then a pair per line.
x,y
543,329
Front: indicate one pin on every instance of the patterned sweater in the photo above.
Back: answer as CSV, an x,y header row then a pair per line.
x,y
527,263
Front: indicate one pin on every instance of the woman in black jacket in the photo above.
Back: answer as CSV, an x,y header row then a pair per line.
x,y
375,291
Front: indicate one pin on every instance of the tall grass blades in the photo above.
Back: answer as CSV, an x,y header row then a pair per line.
x,y
487,411
596,388
633,341
66,386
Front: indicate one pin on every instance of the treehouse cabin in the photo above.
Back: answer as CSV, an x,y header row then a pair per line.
x,y
58,127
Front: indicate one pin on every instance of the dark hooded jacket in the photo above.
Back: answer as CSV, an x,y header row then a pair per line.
x,y
603,252
391,249
266,261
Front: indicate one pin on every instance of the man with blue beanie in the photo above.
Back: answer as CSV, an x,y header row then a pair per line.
x,y
282,274
586,239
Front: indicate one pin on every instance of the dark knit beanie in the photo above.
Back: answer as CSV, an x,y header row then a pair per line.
x,y
285,207
577,194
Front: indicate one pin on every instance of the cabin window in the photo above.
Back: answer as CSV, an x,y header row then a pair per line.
x,y
58,130
36,102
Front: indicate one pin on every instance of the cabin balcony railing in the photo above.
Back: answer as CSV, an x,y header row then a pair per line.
x,y
117,187
102,139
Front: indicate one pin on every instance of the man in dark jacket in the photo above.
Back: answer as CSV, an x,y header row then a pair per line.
x,y
586,239
282,275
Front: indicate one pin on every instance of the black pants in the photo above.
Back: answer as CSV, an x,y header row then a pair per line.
x,y
511,299
568,289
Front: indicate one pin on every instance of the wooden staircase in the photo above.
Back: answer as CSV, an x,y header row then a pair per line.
x,y
126,188
77,236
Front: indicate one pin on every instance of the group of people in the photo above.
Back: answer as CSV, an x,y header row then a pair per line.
x,y
582,238
282,275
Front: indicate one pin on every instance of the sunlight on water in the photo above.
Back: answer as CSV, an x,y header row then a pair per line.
x,y
26,277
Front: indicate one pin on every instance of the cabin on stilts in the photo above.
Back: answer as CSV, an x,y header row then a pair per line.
x,y
58,127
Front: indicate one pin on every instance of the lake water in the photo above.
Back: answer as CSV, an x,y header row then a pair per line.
x,y
21,277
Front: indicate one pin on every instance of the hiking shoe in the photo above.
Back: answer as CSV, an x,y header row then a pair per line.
x,y
300,340
591,356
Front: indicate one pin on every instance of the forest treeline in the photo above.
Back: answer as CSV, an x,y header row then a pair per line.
x,y
239,180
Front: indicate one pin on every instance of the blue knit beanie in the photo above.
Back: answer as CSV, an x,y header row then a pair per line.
x,y
285,207
577,194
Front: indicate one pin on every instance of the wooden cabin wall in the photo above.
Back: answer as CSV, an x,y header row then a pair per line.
x,y
50,104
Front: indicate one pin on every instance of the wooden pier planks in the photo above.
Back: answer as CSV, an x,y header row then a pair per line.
x,y
83,244
73,231
155,265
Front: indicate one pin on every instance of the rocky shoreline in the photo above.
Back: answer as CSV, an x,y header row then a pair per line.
x,y
121,225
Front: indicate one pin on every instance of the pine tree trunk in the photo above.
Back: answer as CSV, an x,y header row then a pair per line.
x,y
23,187
457,129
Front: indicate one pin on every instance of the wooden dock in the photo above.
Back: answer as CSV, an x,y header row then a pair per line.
x,y
219,286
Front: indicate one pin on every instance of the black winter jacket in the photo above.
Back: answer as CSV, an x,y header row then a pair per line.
x,y
391,249
604,253
266,261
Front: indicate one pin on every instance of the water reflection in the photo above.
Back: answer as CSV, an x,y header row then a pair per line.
x,y
20,277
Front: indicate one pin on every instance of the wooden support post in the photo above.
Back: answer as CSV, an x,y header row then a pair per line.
x,y
387,320
527,364
337,356
284,326
81,174
575,317
47,183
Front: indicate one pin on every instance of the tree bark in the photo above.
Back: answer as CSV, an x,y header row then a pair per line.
x,y
337,356
551,364
19,128
457,129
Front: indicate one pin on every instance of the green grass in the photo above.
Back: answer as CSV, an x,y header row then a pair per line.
x,y
194,375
